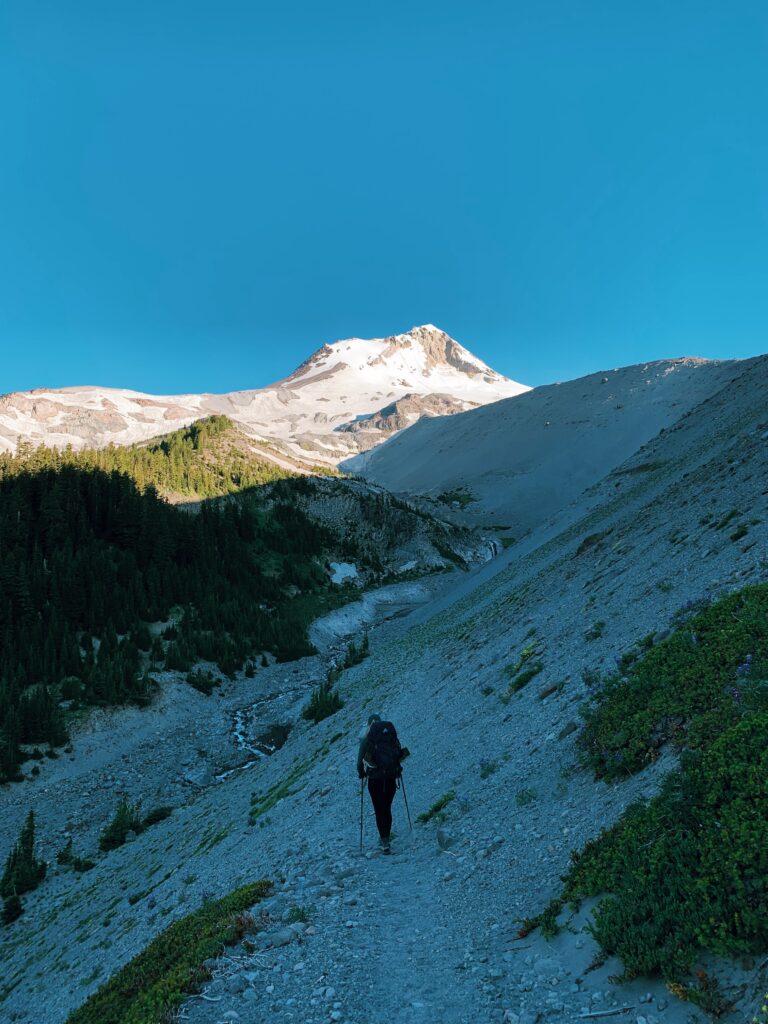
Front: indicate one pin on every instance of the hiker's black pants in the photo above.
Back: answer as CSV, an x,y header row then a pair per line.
x,y
382,794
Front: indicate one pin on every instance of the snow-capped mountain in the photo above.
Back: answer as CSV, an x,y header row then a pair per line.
x,y
346,398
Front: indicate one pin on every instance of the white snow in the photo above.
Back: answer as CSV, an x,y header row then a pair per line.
x,y
340,383
341,571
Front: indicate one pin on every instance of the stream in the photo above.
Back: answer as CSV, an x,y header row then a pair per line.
x,y
261,727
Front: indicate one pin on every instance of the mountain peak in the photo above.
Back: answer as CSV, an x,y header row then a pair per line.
x,y
346,397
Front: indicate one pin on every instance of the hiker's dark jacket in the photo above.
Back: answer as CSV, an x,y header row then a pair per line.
x,y
365,766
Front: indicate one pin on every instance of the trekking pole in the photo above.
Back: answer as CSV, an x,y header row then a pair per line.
x,y
362,790
407,809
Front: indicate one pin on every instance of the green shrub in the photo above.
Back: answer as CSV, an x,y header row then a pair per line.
x,y
82,864
65,855
202,680
590,541
524,797
298,914
155,815
692,682
727,518
356,654
156,981
687,870
458,495
13,908
126,820
522,679
595,631
437,807
324,702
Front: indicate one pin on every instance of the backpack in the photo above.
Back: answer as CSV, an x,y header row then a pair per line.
x,y
384,750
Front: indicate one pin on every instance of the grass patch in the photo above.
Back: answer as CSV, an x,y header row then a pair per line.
x,y
590,541
643,467
595,631
687,870
298,914
156,981
521,672
488,768
437,807
727,518
525,797
262,803
458,495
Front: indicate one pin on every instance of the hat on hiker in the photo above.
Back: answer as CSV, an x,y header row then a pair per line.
x,y
374,718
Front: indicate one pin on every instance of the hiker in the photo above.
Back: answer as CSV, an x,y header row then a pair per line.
x,y
379,759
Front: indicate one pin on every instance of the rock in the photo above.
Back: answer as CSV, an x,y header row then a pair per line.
x,y
236,984
281,937
444,840
230,1015
201,776
250,995
567,730
336,1014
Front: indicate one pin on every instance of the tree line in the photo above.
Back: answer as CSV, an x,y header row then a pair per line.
x,y
88,559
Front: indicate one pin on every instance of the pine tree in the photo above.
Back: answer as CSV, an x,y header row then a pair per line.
x,y
23,871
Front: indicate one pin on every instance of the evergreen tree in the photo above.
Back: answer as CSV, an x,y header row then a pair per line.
x,y
23,871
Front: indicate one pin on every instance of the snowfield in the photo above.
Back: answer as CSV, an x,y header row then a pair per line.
x,y
304,418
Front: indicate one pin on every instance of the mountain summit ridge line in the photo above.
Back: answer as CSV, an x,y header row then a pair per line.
x,y
313,415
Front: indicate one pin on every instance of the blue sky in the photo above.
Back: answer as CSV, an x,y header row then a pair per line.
x,y
193,196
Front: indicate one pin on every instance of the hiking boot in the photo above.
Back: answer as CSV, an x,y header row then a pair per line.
x,y
384,845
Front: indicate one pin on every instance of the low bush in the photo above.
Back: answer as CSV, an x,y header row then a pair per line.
x,y
126,819
13,908
155,815
686,689
437,807
687,870
154,983
324,702
590,541
203,680
595,631
356,654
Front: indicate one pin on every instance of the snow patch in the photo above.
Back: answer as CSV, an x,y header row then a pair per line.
x,y
341,571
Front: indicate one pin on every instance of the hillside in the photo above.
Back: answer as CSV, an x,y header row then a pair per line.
x,y
486,685
106,584
326,410
522,460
